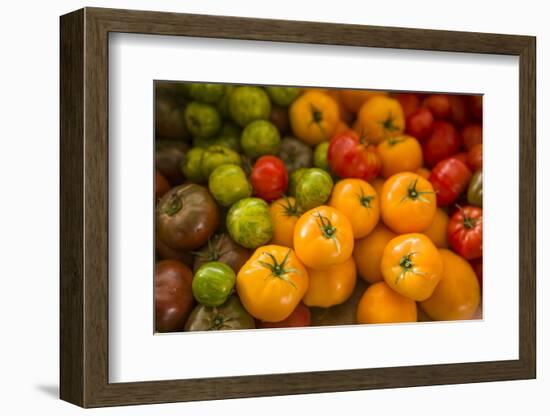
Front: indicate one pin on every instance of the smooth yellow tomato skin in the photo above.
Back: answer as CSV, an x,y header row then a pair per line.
x,y
353,100
381,305
437,231
358,201
367,253
412,266
284,216
323,237
407,203
314,116
380,118
331,286
272,295
400,154
457,296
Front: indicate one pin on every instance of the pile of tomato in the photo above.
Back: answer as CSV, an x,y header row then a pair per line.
x,y
273,202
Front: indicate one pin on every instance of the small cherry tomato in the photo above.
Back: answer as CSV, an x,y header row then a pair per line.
x,y
475,157
382,305
300,317
450,177
269,178
472,134
350,156
443,142
412,266
399,154
331,286
438,104
465,232
358,201
420,123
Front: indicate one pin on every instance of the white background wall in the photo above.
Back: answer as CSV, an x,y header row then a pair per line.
x,y
29,158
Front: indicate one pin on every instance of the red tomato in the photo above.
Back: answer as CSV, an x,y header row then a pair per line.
x,y
444,141
269,178
477,265
465,232
449,178
351,157
476,106
438,104
409,102
472,134
475,157
462,156
299,317
460,113
419,124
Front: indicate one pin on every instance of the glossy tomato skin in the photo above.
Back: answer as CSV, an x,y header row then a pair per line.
x,y
173,296
465,232
420,123
269,178
349,157
380,304
443,142
300,317
438,104
450,177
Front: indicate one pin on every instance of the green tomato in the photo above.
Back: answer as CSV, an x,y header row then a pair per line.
x,y
217,155
191,165
249,222
202,120
230,315
247,104
228,184
294,179
475,189
283,96
314,188
203,92
213,283
223,103
259,138
230,136
320,159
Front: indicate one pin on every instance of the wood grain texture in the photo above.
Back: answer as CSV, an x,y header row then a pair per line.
x,y
84,206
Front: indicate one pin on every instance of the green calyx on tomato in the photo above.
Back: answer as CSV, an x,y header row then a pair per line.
x,y
407,266
316,117
290,209
172,205
327,229
231,315
213,283
279,270
413,193
365,200
388,124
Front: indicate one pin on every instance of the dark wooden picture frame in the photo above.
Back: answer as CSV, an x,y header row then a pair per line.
x,y
84,207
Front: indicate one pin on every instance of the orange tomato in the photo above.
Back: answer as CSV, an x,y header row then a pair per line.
x,y
424,172
381,305
314,116
358,201
407,203
457,295
437,231
323,237
331,286
284,216
400,154
340,127
380,118
412,266
367,253
272,283
354,99
345,114
377,184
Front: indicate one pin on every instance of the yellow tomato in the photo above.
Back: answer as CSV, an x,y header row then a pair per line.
x,y
272,283
284,216
457,295
437,231
331,286
381,305
323,237
400,154
412,266
407,203
424,172
380,118
367,253
358,201
314,116
354,99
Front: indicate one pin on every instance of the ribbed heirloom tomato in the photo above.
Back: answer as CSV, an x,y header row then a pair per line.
x,y
380,118
331,286
367,253
358,201
382,305
314,116
399,154
449,177
407,203
412,266
272,283
284,216
323,237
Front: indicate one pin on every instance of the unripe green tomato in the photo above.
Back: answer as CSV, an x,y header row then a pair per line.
x,y
218,155
293,180
213,283
260,138
204,92
314,188
191,165
249,222
248,103
320,159
202,120
283,96
228,184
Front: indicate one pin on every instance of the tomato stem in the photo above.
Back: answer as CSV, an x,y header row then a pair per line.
x,y
173,205
279,270
413,193
328,230
290,209
365,200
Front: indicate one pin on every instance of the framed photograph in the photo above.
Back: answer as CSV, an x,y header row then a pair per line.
x,y
255,207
